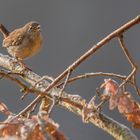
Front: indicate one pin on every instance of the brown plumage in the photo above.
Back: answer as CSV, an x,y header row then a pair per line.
x,y
24,42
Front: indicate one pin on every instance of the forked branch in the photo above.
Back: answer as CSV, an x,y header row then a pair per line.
x,y
49,90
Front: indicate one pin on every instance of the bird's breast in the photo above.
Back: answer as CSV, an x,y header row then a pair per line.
x,y
28,48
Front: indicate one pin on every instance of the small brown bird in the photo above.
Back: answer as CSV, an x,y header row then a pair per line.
x,y
24,42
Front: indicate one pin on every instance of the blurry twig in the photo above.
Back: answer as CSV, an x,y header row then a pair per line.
x,y
130,60
94,74
65,83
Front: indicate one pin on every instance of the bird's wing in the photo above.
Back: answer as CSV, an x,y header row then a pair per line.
x,y
15,38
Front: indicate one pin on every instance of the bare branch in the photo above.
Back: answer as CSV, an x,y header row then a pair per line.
x,y
76,104
94,74
132,63
96,47
102,121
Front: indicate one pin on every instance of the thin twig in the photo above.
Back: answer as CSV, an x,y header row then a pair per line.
x,y
93,74
57,99
128,77
65,83
126,52
131,61
22,85
9,76
29,107
96,47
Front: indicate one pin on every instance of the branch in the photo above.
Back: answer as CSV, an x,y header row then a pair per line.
x,y
94,74
107,124
96,47
49,89
132,63
91,51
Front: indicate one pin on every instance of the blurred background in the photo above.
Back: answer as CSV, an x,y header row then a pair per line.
x,y
70,28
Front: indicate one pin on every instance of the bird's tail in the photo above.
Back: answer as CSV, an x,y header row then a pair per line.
x,y
4,31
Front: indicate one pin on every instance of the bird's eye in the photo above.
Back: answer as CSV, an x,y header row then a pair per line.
x,y
31,28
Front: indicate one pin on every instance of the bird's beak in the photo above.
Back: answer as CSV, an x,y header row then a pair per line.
x,y
38,28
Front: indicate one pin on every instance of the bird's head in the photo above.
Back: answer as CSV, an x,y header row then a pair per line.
x,y
32,27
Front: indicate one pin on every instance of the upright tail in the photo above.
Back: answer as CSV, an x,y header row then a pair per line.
x,y
4,31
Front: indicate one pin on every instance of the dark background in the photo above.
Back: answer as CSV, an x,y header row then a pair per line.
x,y
71,27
